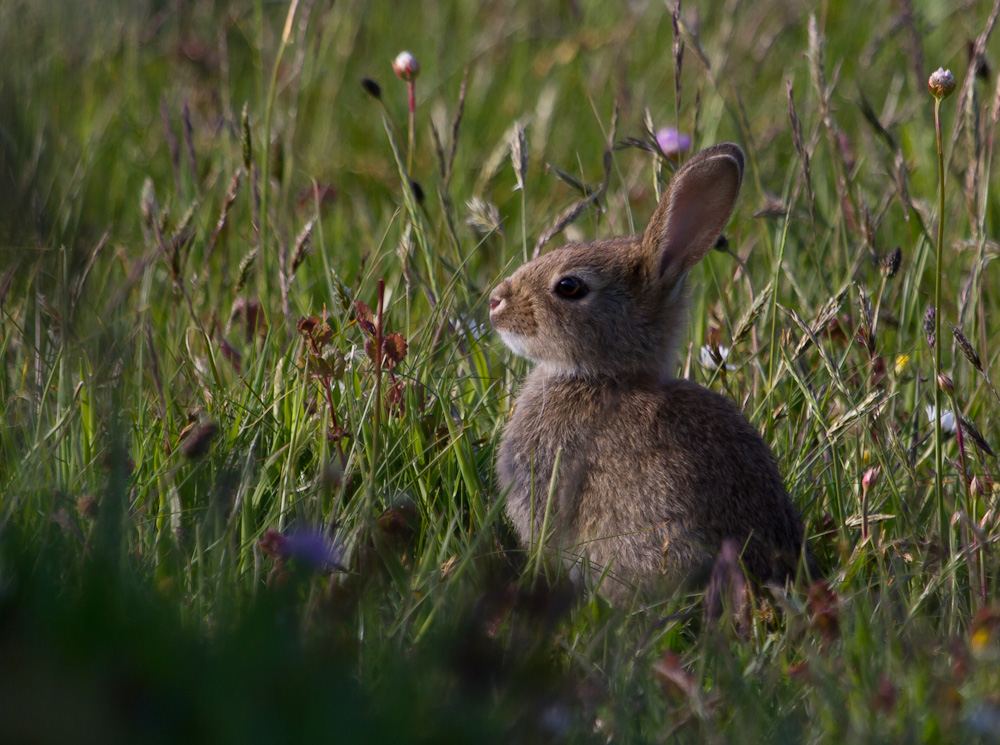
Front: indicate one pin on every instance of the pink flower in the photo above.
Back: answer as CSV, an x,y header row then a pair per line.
x,y
870,477
672,142
941,83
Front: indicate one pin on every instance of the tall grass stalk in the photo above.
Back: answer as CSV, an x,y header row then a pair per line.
x,y
938,274
377,403
272,90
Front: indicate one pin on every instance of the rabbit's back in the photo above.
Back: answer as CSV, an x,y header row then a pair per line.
x,y
652,478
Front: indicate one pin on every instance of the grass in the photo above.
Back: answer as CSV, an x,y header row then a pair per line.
x,y
197,199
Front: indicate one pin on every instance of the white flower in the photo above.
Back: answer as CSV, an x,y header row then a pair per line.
x,y
947,418
707,360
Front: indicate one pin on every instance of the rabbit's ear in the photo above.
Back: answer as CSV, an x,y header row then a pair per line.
x,y
695,209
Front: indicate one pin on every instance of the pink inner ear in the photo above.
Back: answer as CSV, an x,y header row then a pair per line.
x,y
683,225
700,206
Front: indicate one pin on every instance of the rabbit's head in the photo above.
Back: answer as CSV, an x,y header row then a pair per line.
x,y
615,308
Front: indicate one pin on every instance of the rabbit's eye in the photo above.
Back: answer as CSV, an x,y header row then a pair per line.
x,y
571,288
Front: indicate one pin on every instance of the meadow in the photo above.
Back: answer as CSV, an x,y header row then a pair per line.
x,y
224,517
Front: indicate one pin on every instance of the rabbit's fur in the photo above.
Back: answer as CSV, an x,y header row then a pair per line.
x,y
655,471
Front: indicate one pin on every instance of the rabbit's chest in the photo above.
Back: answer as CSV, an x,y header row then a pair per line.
x,y
559,456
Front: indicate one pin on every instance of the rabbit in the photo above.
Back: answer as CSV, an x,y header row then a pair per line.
x,y
655,472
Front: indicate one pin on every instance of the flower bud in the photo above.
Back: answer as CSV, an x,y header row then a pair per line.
x,y
406,66
976,487
870,477
945,383
941,83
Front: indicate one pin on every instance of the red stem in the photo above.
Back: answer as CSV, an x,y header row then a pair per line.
x,y
378,347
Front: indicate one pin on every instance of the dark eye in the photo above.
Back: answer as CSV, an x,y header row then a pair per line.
x,y
571,288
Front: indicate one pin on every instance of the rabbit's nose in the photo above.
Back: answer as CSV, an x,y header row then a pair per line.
x,y
499,294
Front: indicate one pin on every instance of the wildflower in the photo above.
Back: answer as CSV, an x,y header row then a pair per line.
x,y
406,66
945,383
985,630
902,364
672,142
870,477
707,357
308,547
941,83
948,423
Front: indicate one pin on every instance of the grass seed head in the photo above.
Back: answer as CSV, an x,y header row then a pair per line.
x,y
519,155
247,140
929,316
967,349
372,88
484,216
891,263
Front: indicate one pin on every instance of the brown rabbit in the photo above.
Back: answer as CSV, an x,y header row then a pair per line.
x,y
655,472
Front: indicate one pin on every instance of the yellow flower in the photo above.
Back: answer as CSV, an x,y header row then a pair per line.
x,y
981,638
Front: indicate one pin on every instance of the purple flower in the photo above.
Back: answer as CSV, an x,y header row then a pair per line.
x,y
672,142
307,546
